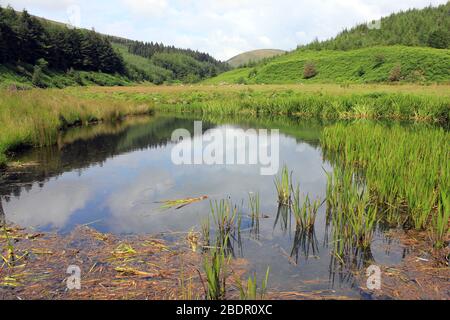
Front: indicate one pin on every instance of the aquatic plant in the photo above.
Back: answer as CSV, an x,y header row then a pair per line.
x,y
440,221
283,186
250,291
255,212
215,265
400,184
305,214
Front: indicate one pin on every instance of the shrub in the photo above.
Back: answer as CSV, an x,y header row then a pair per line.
x,y
395,74
241,80
37,79
379,60
360,72
309,70
439,39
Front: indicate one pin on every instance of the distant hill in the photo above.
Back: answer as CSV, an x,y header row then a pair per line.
x,y
253,57
410,46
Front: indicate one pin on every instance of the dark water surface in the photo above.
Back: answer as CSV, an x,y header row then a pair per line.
x,y
112,176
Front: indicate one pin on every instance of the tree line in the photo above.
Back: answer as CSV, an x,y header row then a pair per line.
x,y
26,39
43,44
428,27
183,64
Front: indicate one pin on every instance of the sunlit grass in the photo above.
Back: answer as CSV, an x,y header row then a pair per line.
x,y
34,118
405,172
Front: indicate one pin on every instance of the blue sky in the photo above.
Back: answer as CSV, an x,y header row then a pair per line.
x,y
222,28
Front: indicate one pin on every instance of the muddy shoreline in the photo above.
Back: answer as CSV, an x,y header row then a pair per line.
x,y
35,266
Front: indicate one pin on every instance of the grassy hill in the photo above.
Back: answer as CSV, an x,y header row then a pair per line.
x,y
428,27
410,46
367,65
253,57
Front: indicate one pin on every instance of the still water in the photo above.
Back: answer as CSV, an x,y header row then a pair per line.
x,y
113,176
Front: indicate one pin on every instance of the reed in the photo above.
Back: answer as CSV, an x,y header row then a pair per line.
x,y
34,118
283,186
206,228
225,218
404,171
440,229
255,212
305,214
250,291
215,265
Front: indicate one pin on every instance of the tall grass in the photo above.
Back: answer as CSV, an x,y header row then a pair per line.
x,y
406,173
34,118
215,265
283,186
250,291
306,213
226,221
255,213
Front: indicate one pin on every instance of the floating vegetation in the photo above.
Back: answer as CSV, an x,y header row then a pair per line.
x,y
181,203
192,239
135,267
123,249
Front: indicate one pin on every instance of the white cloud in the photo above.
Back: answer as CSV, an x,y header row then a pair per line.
x,y
148,8
226,28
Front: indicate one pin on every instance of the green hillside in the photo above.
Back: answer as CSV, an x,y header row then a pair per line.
x,y
42,53
252,57
368,65
410,46
428,27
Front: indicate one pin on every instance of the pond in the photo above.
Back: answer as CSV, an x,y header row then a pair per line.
x,y
115,176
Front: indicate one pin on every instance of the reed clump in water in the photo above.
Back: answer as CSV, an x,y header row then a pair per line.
x,y
250,291
255,212
405,170
351,213
283,186
305,214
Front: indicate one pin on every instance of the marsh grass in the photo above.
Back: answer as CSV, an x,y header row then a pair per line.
x,y
215,265
226,221
250,290
255,213
440,221
283,186
404,171
305,214
35,117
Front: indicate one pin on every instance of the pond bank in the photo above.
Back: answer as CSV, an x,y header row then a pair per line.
x,y
35,266
34,117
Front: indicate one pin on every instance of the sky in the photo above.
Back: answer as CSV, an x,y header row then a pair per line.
x,y
223,28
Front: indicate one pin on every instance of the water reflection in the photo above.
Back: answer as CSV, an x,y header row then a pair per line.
x,y
115,175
